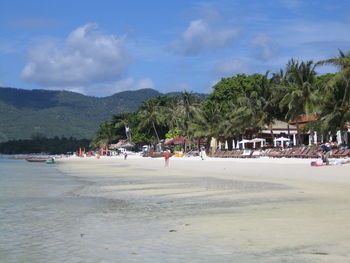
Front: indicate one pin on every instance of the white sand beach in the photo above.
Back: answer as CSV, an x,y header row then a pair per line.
x,y
217,210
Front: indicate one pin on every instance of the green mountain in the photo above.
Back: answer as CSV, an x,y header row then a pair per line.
x,y
24,113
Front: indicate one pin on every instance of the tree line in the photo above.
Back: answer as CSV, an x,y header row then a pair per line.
x,y
242,105
42,144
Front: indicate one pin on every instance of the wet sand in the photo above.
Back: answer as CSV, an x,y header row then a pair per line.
x,y
217,210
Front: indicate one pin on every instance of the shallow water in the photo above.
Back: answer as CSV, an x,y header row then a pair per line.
x,y
47,216
41,219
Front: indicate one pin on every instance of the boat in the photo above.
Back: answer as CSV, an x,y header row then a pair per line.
x,y
36,160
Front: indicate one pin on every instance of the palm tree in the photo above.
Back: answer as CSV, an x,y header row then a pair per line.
x,y
337,91
122,123
188,110
170,113
298,85
207,123
104,135
150,114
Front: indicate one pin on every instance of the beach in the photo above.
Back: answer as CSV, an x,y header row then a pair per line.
x,y
216,210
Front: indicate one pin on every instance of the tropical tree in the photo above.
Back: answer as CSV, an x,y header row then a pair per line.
x,y
299,91
150,114
246,104
104,136
188,111
336,92
169,113
121,123
207,124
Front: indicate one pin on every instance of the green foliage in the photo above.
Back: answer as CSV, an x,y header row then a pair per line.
x,y
172,133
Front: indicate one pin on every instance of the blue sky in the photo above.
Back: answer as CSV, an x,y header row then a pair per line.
x,y
103,47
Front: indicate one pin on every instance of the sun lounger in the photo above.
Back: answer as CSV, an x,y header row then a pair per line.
x,y
256,154
246,154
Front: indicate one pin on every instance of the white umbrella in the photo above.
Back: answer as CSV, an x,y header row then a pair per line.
x,y
219,143
315,137
261,140
339,141
243,142
233,144
226,145
281,140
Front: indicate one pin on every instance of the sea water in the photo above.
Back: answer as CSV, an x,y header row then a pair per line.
x,y
41,219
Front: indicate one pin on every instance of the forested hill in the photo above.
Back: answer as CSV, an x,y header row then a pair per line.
x,y
24,113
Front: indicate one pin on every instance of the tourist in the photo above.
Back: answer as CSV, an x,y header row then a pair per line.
x,y
326,152
203,154
167,156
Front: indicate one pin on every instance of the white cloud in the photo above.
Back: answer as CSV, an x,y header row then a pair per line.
x,y
231,67
87,57
201,36
264,47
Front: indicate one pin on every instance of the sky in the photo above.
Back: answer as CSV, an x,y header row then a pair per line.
x,y
99,48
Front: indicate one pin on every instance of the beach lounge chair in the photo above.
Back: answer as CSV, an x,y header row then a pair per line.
x,y
286,152
342,153
256,154
246,154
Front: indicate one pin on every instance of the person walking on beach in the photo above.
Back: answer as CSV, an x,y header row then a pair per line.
x,y
326,153
167,156
125,155
203,154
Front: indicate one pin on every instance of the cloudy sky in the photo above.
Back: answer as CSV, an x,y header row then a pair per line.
x,y
103,47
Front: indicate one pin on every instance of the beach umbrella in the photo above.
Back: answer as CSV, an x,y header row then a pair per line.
x,y
282,140
219,144
226,145
339,141
315,137
310,136
261,140
243,142
233,144
294,140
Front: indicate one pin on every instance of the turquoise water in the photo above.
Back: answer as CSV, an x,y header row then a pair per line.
x,y
40,216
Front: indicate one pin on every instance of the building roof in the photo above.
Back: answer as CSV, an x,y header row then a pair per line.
x,y
177,140
303,119
280,125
